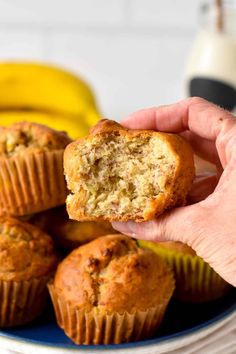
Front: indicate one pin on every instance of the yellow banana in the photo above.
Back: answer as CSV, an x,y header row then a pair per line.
x,y
74,128
38,87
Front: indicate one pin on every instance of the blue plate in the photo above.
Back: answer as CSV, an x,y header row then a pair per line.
x,y
181,319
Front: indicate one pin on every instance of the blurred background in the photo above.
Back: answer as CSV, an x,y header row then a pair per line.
x,y
132,53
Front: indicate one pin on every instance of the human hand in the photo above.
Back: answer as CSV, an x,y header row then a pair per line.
x,y
209,225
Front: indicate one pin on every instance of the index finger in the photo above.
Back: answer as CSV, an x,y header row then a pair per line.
x,y
195,114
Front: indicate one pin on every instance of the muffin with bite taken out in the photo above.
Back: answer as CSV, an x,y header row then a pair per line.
x,y
119,174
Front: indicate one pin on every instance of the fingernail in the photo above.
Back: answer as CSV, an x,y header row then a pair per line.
x,y
127,228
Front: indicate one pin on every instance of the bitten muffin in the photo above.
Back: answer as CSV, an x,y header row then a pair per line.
x,y
111,291
69,234
196,281
31,168
27,261
120,174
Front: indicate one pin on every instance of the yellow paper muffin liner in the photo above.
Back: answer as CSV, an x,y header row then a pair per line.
x,y
99,327
32,182
196,281
21,302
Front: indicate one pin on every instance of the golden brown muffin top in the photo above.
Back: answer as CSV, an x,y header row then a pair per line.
x,y
25,251
67,233
73,233
26,136
114,274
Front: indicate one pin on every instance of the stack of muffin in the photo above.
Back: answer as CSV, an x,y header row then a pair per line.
x,y
108,290
32,185
31,180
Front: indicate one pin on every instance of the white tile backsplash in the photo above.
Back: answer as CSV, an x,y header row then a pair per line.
x,y
128,71
63,12
168,13
20,44
133,52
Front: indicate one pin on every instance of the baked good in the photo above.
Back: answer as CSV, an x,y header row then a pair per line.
x,y
69,234
120,174
196,281
105,291
72,234
27,261
31,168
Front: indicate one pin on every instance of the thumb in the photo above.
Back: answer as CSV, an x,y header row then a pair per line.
x,y
180,224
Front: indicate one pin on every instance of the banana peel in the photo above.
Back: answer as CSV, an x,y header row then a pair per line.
x,y
75,128
44,88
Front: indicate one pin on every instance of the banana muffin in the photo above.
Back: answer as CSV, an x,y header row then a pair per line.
x,y
111,291
31,168
69,234
27,261
120,174
196,281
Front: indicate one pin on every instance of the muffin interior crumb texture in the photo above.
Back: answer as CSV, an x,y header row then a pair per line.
x,y
119,175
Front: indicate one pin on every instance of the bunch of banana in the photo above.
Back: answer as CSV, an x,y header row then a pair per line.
x,y
47,95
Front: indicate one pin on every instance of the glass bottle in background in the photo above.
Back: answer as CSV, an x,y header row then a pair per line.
x,y
211,68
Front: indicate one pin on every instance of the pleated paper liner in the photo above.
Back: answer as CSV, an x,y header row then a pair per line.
x,y
32,182
21,302
99,327
196,281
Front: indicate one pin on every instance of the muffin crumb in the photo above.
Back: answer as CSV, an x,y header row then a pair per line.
x,y
120,174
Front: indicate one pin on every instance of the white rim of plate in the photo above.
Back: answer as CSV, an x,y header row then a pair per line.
x,y
24,347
